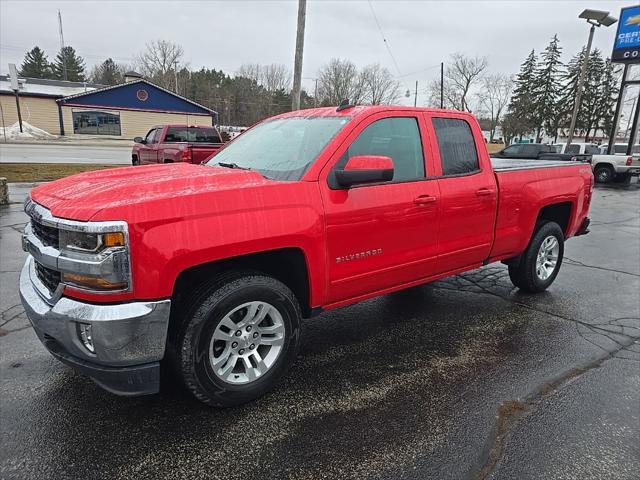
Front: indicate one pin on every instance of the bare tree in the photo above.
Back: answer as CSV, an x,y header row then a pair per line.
x,y
272,77
252,71
460,77
276,77
494,98
161,61
338,80
378,85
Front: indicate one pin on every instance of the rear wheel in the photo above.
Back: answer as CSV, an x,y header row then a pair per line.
x,y
239,338
540,263
604,174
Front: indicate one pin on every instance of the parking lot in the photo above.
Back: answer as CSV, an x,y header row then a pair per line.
x,y
463,378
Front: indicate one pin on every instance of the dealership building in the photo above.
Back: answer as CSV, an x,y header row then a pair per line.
x,y
79,109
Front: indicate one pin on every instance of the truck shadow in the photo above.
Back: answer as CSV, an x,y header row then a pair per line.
x,y
376,359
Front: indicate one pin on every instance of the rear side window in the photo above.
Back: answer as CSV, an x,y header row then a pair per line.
x,y
592,150
572,149
457,148
192,135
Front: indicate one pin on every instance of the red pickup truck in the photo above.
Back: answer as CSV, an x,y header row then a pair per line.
x,y
210,268
176,143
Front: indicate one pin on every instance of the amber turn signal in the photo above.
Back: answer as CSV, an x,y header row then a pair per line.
x,y
113,239
94,283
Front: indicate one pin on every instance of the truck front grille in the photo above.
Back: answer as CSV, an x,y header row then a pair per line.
x,y
50,278
49,236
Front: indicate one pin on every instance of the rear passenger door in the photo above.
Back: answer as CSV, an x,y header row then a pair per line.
x,y
468,193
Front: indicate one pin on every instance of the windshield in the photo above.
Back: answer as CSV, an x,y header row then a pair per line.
x,y
281,149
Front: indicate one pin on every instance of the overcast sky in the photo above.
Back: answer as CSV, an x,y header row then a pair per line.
x,y
225,34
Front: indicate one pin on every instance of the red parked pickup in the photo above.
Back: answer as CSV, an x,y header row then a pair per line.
x,y
176,143
210,268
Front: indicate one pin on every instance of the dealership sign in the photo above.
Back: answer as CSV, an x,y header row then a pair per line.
x,y
627,45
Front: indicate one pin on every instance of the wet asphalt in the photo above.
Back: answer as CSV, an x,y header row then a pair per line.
x,y
465,378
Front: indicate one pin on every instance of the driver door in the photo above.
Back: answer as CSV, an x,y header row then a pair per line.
x,y
383,235
148,150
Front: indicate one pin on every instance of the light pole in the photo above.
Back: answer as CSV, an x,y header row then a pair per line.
x,y
596,18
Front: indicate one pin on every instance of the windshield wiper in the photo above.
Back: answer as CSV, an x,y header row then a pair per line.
x,y
232,165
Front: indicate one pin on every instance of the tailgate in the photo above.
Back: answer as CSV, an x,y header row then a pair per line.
x,y
200,152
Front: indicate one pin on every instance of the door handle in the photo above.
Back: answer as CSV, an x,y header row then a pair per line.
x,y
484,192
424,200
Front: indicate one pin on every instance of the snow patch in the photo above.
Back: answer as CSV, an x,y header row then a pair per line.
x,y
29,132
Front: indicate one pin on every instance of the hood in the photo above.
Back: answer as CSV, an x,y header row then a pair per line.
x,y
81,197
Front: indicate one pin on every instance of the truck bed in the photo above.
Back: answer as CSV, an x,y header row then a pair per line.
x,y
509,164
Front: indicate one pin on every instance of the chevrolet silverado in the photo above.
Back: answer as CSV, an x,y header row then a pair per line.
x,y
175,143
208,269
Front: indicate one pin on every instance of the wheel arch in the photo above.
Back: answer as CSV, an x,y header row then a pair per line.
x,y
560,213
288,265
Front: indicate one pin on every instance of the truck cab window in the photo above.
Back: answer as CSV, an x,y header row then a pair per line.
x,y
573,148
458,152
398,138
149,136
512,150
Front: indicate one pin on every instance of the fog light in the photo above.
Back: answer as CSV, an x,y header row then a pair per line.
x,y
84,332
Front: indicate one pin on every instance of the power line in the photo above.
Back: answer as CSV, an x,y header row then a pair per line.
x,y
386,44
419,71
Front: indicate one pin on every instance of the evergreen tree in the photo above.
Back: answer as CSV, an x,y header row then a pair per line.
x,y
35,64
592,93
522,105
570,80
608,96
547,89
108,73
68,65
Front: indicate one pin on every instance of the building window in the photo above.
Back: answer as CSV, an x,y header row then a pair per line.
x,y
96,123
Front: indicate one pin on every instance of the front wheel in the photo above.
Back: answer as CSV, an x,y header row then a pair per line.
x,y
540,262
239,338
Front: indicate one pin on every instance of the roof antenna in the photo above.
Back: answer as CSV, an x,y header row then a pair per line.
x,y
344,104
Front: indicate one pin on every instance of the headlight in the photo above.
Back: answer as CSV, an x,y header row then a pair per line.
x,y
90,242
93,260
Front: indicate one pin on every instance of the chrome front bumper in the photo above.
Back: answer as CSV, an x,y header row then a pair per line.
x,y
128,338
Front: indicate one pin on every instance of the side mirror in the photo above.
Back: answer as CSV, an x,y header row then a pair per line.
x,y
365,169
139,140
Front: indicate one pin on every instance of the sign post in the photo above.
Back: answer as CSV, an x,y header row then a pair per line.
x,y
626,49
15,86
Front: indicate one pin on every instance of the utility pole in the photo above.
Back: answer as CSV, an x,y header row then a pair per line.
x,y
175,74
62,52
297,69
315,94
415,97
583,71
616,116
634,126
15,86
441,84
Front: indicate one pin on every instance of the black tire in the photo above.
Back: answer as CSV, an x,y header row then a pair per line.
x,y
134,160
208,307
524,274
604,174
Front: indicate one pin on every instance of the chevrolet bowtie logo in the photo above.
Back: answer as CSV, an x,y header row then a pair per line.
x,y
635,20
